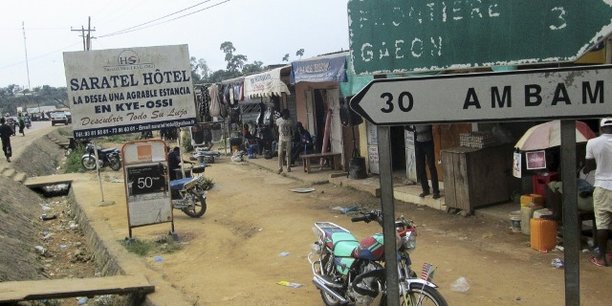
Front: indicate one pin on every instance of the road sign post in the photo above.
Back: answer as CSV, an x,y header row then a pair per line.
x,y
403,35
560,93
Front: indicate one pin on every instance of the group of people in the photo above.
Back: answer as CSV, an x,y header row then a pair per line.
x,y
8,129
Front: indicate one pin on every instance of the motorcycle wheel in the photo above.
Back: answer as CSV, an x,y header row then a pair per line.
x,y
115,163
88,162
420,295
199,206
328,299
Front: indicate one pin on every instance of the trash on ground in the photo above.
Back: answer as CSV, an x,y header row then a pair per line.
x,y
289,284
460,285
559,248
346,210
82,300
158,259
283,254
45,217
40,249
557,263
303,190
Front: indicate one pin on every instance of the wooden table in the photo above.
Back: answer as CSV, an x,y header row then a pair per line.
x,y
332,159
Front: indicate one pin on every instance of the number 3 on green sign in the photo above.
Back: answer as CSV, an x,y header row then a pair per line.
x,y
404,106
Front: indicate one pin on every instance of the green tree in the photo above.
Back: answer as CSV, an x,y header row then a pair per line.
x,y
286,57
299,53
235,62
256,66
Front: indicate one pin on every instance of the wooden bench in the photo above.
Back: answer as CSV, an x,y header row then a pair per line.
x,y
15,291
332,159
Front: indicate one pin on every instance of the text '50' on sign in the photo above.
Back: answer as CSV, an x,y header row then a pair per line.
x,y
577,92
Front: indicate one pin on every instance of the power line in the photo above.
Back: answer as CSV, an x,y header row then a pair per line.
x,y
33,58
143,26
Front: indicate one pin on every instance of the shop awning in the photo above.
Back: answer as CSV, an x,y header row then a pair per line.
x,y
320,69
265,84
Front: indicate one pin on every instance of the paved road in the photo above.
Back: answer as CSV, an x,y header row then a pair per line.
x,y
19,142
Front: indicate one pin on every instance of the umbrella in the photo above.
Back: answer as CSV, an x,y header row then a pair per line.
x,y
548,135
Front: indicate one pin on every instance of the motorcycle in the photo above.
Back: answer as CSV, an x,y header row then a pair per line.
x,y
108,157
189,193
350,272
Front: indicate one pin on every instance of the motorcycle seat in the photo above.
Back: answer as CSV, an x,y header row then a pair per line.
x,y
108,150
179,183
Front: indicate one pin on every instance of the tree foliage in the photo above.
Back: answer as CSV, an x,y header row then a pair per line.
x,y
13,96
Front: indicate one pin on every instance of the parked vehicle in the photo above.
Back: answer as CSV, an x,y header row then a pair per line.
x,y
58,117
349,272
108,157
189,193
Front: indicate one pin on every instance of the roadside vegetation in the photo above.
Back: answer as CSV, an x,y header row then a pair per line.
x,y
160,245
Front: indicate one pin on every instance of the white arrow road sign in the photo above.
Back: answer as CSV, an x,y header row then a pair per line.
x,y
559,93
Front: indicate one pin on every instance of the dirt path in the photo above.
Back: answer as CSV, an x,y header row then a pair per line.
x,y
232,256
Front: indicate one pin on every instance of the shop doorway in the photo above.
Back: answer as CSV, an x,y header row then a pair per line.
x,y
398,151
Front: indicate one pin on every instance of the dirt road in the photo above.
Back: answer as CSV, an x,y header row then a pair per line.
x,y
232,255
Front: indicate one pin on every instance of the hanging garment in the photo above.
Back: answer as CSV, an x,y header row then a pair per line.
x,y
215,105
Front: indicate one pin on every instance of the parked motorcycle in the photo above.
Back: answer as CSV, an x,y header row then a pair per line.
x,y
108,157
347,271
189,193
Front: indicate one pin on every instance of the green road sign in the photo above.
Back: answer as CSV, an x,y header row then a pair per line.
x,y
411,35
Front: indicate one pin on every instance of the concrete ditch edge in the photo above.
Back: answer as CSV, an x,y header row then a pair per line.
x,y
112,259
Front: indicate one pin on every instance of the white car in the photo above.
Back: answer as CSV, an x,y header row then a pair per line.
x,y
59,117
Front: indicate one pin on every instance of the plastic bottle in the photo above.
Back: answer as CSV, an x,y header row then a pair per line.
x,y
460,285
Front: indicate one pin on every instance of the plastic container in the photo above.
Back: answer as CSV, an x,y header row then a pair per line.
x,y
543,234
515,221
526,215
542,213
540,182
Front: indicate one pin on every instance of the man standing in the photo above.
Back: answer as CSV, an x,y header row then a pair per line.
x,y
424,153
599,157
285,133
5,135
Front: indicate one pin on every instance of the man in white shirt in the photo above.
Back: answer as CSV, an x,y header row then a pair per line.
x,y
599,157
285,134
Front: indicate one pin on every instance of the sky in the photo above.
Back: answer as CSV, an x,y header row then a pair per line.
x,y
263,30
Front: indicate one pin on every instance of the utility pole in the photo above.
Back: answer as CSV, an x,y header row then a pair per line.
x,y
25,46
86,37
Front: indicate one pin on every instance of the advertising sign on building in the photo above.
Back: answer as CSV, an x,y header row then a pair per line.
x,y
129,90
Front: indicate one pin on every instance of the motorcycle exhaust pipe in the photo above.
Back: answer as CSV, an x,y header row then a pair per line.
x,y
320,283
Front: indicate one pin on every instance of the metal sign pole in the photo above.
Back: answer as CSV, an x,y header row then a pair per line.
x,y
388,210
571,228
102,201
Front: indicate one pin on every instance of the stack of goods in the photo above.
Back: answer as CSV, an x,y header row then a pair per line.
x,y
477,140
529,204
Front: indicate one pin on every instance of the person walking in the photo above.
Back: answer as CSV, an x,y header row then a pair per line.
x,y
285,134
424,154
21,123
5,135
599,157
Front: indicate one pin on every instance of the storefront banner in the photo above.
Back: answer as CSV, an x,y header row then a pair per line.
x,y
129,90
320,69
536,160
265,84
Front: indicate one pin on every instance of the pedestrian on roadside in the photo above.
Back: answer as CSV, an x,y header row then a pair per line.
x,y
424,154
599,157
302,141
21,123
285,134
5,135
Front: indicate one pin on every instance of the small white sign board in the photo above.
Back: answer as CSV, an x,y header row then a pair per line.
x,y
147,189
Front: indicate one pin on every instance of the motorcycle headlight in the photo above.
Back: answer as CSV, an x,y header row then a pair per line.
x,y
409,241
